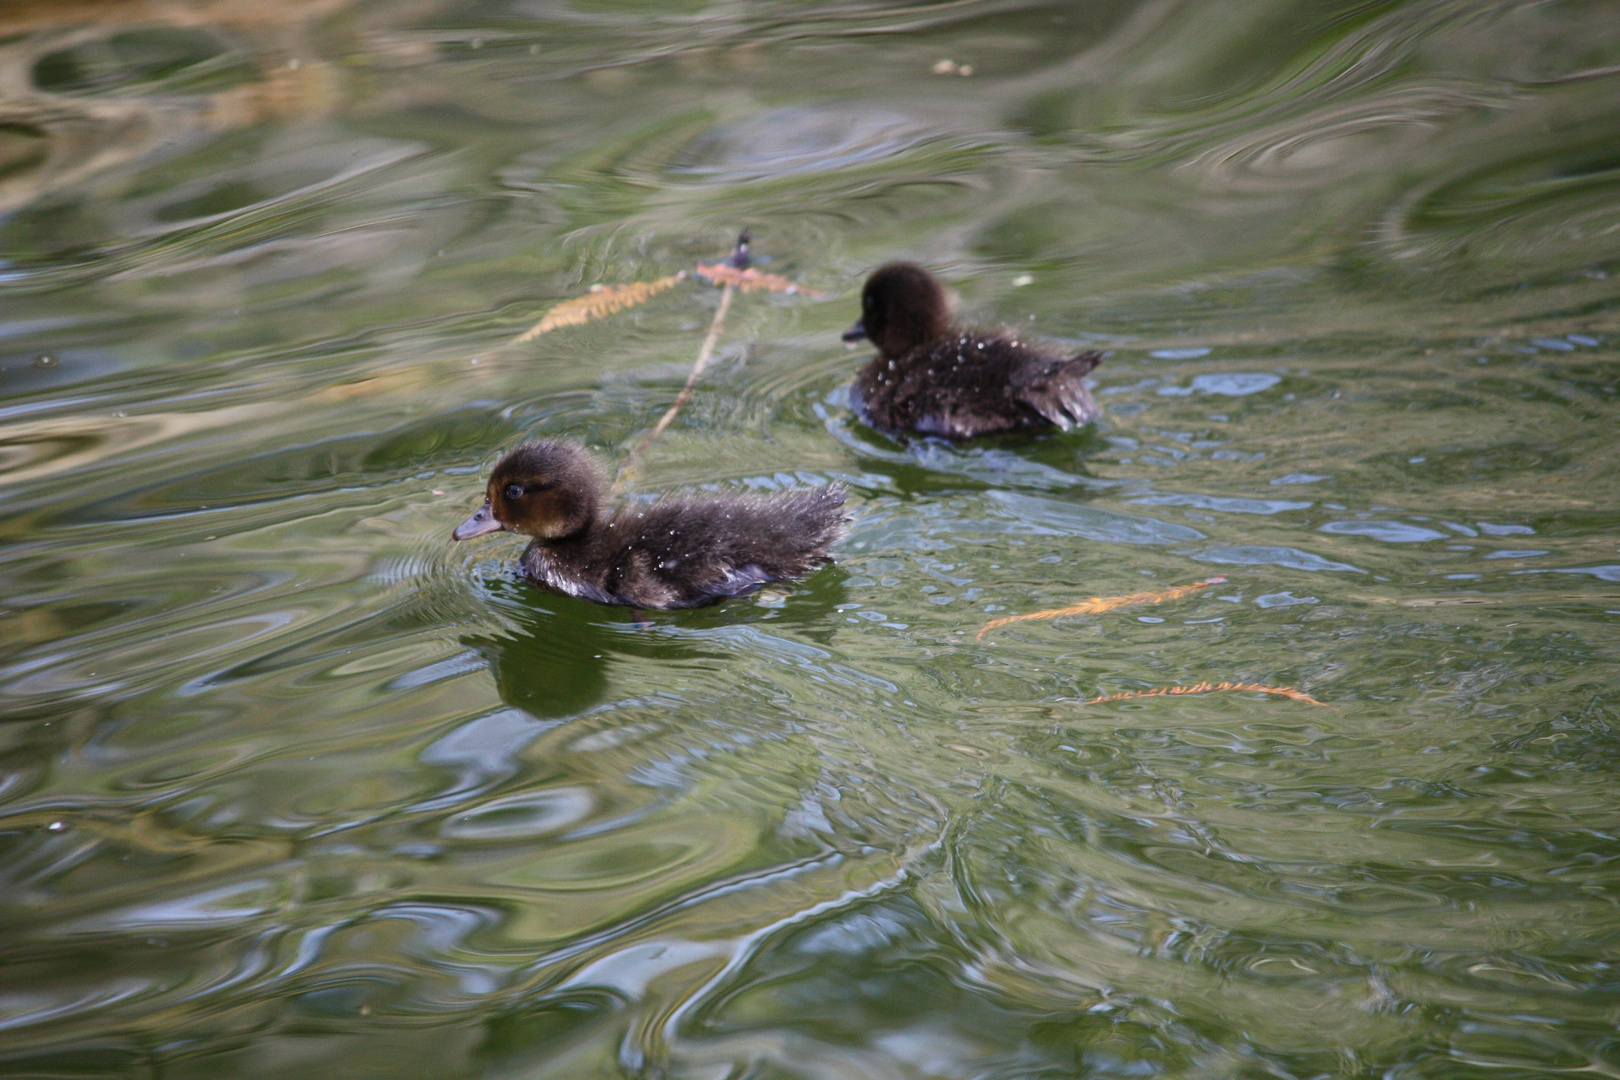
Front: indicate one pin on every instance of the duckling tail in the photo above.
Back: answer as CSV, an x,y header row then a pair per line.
x,y
1060,394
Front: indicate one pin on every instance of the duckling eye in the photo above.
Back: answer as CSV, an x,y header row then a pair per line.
x,y
514,491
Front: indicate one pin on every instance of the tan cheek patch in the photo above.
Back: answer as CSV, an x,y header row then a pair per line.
x,y
547,513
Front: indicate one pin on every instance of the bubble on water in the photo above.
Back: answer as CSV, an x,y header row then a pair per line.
x,y
46,360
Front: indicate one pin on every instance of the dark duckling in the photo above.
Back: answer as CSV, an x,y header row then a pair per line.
x,y
678,552
933,377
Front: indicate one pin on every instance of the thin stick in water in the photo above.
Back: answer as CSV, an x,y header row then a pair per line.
x,y
601,300
1208,688
737,261
1099,604
704,354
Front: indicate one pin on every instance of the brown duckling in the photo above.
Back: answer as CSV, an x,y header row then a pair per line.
x,y
934,377
678,552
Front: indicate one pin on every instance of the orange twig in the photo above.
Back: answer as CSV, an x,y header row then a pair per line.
x,y
704,354
733,273
1209,687
749,280
1099,604
601,300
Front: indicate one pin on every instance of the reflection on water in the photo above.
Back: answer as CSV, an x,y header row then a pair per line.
x,y
289,782
549,668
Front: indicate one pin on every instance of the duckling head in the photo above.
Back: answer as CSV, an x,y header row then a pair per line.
x,y
902,307
547,490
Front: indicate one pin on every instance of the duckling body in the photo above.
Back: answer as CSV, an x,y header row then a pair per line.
x,y
933,377
678,552
683,552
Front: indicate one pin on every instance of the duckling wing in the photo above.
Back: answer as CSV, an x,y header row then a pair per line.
x,y
688,552
733,581
975,382
776,538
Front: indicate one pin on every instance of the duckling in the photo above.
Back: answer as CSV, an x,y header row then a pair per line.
x,y
933,377
678,552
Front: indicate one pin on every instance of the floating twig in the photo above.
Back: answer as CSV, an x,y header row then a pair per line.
x,y
692,377
736,263
750,280
1209,688
1099,604
601,300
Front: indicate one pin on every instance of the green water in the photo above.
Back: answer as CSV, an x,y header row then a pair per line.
x,y
292,786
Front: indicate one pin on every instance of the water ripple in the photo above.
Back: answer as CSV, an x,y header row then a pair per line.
x,y
294,778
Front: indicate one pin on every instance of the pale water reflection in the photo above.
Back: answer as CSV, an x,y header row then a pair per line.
x,y
291,784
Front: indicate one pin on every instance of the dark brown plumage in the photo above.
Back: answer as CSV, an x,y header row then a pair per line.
x,y
678,552
936,378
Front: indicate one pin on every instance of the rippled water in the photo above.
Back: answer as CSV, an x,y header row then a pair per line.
x,y
291,784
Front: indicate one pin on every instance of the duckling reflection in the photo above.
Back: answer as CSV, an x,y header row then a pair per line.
x,y
678,552
933,377
559,657
556,662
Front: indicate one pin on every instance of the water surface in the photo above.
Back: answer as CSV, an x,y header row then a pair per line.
x,y
291,783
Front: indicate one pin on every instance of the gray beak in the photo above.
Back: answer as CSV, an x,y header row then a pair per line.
x,y
856,332
480,523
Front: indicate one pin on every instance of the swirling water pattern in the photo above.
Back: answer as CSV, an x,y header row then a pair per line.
x,y
291,783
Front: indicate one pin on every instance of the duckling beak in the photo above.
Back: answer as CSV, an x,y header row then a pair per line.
x,y
856,332
480,523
